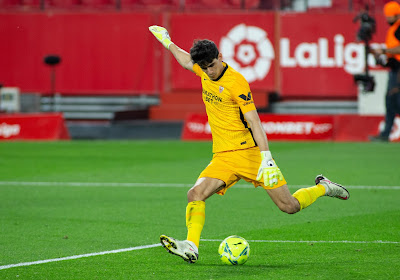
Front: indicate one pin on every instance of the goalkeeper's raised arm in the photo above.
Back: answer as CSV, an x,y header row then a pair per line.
x,y
180,55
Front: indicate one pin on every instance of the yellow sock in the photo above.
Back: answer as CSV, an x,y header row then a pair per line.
x,y
308,196
195,218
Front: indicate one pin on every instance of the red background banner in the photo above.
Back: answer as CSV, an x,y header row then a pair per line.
x,y
202,26
100,53
296,54
302,127
33,127
312,63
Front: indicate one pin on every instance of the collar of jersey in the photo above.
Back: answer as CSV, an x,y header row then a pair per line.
x,y
223,72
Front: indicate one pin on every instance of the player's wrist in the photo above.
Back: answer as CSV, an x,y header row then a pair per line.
x,y
167,43
266,155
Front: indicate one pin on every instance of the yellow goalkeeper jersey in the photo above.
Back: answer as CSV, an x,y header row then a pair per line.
x,y
227,99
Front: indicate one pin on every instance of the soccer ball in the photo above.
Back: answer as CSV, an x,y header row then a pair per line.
x,y
234,250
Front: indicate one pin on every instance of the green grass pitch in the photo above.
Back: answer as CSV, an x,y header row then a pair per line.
x,y
81,197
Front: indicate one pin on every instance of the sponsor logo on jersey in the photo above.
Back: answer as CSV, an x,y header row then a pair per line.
x,y
246,97
211,97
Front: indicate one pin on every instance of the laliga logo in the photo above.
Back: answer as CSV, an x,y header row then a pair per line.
x,y
248,50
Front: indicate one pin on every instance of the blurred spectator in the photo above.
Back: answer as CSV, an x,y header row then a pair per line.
x,y
392,51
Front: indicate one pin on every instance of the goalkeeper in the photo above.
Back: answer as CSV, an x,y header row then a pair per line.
x,y
240,145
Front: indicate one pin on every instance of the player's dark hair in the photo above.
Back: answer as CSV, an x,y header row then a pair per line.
x,y
203,52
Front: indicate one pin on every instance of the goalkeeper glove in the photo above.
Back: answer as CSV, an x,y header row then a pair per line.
x,y
269,170
161,34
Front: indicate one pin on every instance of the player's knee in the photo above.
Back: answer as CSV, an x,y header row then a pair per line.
x,y
290,207
190,194
194,194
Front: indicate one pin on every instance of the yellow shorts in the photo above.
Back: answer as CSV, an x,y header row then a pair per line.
x,y
232,166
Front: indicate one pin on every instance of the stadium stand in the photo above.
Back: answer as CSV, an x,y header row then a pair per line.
x,y
80,4
153,5
177,105
195,5
10,4
347,6
61,4
96,107
249,4
220,4
98,3
167,103
31,3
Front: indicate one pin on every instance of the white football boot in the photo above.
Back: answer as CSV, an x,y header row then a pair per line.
x,y
332,189
186,249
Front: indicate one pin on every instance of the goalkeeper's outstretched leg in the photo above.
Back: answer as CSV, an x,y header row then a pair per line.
x,y
304,197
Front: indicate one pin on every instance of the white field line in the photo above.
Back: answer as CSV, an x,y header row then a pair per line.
x,y
315,241
204,240
80,256
157,185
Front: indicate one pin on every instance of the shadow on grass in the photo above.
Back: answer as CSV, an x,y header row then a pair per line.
x,y
244,266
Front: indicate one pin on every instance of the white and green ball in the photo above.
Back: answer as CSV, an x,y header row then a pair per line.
x,y
234,250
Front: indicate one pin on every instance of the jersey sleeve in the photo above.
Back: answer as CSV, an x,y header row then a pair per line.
x,y
197,70
241,93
